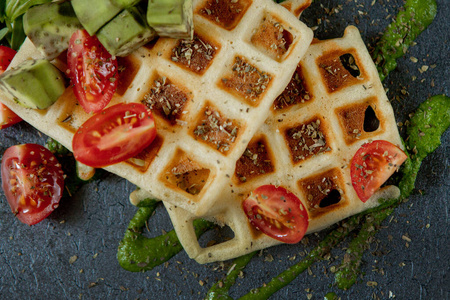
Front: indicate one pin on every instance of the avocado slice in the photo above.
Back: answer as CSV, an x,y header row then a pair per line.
x,y
49,26
94,14
125,3
171,18
125,33
34,84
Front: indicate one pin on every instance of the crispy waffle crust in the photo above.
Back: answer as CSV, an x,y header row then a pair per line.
x,y
209,96
334,103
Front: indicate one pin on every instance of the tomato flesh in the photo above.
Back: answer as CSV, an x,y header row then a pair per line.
x,y
372,165
92,70
32,180
7,116
6,56
277,212
117,133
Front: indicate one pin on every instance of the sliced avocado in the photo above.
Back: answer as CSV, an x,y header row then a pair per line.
x,y
94,14
34,83
126,32
125,3
49,26
171,18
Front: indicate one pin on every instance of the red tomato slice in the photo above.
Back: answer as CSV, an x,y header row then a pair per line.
x,y
372,165
117,133
7,116
32,180
6,56
92,70
278,213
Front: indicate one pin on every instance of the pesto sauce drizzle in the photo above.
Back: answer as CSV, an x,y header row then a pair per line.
x,y
348,271
325,246
400,34
138,253
430,121
220,289
330,296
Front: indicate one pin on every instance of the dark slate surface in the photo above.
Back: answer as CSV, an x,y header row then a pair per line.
x,y
34,261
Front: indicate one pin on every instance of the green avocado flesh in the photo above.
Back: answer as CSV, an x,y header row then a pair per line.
x,y
94,14
49,26
171,18
125,33
125,3
34,84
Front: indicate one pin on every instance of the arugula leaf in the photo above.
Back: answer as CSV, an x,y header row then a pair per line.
x,y
18,35
16,8
2,12
3,33
11,25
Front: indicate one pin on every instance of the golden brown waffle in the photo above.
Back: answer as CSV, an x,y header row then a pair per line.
x,y
209,97
296,7
334,103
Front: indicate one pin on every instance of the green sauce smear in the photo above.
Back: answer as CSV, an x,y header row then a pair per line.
x,y
220,289
330,296
138,253
324,247
430,121
400,34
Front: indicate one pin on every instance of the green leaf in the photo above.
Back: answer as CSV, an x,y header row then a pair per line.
x,y
3,33
18,35
2,12
16,8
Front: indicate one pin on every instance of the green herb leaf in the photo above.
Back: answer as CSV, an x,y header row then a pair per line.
x,y
3,33
2,12
15,8
18,35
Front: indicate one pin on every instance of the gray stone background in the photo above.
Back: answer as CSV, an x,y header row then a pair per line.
x,y
34,261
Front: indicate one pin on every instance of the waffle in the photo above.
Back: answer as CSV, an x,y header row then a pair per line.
x,y
333,104
209,96
296,7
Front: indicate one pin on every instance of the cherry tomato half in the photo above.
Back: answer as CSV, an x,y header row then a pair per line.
x,y
7,116
32,180
278,213
92,70
6,56
372,165
115,134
